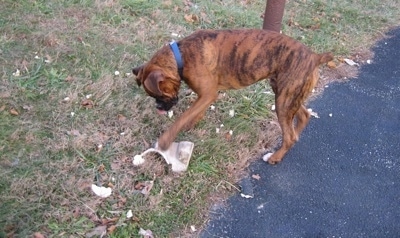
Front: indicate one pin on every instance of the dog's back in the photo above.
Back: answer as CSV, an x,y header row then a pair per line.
x,y
239,58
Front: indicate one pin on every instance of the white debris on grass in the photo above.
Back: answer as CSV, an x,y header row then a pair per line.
x,y
231,113
138,160
101,191
350,62
170,114
146,233
17,73
129,214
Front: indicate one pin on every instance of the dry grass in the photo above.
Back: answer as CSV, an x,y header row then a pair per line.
x,y
68,121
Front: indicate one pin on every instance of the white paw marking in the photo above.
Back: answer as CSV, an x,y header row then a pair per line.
x,y
267,156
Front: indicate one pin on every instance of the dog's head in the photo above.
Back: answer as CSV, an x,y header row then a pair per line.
x,y
158,84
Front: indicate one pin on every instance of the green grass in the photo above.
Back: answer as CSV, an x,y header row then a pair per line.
x,y
69,50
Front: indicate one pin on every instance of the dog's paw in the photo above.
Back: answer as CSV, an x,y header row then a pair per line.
x,y
164,142
162,145
270,159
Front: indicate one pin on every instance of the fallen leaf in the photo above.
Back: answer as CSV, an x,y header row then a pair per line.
x,y
101,168
69,79
2,108
108,221
147,188
99,231
135,219
111,229
14,112
315,27
87,103
256,176
228,135
121,117
38,235
331,65
192,18
144,187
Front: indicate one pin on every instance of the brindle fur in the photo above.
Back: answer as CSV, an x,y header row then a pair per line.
x,y
217,60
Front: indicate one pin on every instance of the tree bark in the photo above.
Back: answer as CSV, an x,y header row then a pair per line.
x,y
273,15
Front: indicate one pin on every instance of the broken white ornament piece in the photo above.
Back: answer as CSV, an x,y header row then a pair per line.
x,y
178,155
101,191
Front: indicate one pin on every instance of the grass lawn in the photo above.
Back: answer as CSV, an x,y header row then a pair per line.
x,y
71,114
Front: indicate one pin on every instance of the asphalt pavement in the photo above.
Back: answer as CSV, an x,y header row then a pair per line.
x,y
342,179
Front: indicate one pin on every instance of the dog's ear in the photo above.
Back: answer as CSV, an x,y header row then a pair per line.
x,y
152,82
138,71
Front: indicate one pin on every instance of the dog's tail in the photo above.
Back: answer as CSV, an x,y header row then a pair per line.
x,y
324,58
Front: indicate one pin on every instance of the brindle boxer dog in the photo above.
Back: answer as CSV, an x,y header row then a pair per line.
x,y
215,60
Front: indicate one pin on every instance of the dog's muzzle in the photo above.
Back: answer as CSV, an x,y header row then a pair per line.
x,y
165,105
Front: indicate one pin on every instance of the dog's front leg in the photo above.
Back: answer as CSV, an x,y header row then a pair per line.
x,y
188,118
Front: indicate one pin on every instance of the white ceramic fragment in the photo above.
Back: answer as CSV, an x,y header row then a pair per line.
x,y
101,191
178,155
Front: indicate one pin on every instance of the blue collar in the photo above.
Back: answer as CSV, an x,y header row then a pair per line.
x,y
178,57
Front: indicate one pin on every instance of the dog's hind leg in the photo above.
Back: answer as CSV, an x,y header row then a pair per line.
x,y
285,113
302,116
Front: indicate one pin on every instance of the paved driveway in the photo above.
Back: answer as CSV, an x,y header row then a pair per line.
x,y
342,179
